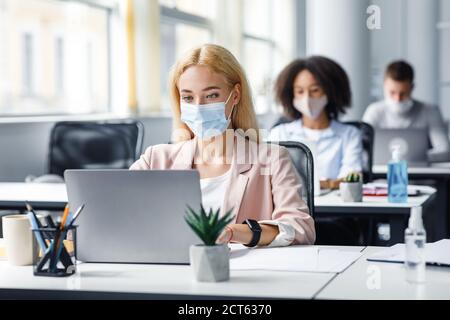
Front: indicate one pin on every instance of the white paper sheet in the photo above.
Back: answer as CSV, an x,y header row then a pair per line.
x,y
292,258
436,253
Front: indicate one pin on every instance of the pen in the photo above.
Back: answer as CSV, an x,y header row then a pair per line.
x,y
57,240
49,220
50,224
75,216
35,226
59,248
69,223
30,209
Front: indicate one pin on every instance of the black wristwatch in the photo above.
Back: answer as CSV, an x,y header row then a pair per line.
x,y
256,230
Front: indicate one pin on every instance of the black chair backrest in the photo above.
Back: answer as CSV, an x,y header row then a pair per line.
x,y
94,145
302,159
367,133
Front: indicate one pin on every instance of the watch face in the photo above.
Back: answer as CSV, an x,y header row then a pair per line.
x,y
254,225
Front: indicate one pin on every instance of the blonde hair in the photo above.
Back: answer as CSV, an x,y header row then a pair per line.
x,y
221,61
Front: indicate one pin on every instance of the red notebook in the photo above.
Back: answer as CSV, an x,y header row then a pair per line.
x,y
383,192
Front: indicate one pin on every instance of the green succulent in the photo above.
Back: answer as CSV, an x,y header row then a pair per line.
x,y
353,177
207,226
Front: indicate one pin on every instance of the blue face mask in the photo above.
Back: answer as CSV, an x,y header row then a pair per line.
x,y
206,120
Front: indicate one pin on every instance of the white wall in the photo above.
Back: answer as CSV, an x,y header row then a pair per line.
x,y
387,44
409,31
337,29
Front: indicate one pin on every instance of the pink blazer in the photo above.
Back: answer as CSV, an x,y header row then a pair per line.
x,y
264,185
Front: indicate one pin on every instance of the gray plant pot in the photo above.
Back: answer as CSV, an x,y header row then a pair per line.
x,y
210,263
351,191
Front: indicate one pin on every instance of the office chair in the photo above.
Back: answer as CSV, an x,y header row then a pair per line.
x,y
367,135
329,231
94,145
302,159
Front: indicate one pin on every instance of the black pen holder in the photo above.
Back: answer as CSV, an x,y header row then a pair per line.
x,y
59,257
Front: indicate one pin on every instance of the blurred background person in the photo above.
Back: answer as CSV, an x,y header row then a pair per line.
x,y
313,93
399,110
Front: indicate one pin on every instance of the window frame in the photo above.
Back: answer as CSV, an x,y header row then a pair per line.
x,y
111,8
268,40
174,16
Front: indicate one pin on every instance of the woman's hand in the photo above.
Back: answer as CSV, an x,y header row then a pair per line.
x,y
226,236
241,233
330,184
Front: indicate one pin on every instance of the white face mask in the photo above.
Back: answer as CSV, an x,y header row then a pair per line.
x,y
310,107
206,120
399,107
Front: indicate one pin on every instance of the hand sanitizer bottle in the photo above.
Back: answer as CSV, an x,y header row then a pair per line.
x,y
415,238
397,178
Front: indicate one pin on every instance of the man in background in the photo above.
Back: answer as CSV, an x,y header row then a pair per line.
x,y
399,110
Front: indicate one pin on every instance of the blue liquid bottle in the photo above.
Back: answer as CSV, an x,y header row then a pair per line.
x,y
397,178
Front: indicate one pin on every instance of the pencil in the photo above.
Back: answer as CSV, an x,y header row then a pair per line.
x,y
64,218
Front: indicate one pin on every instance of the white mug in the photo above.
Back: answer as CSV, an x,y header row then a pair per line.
x,y
18,240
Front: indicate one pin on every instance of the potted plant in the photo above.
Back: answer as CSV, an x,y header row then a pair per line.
x,y
210,261
351,189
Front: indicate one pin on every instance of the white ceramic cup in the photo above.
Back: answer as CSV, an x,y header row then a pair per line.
x,y
18,240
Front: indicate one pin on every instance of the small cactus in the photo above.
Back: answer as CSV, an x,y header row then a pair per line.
x,y
353,177
208,226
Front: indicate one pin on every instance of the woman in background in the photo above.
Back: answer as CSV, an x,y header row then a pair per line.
x,y
313,93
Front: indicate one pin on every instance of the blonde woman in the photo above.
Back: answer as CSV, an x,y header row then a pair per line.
x,y
215,131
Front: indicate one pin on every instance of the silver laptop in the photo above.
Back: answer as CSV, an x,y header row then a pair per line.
x,y
413,144
133,216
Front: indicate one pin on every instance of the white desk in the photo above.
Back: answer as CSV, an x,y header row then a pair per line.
x,y
160,281
362,280
374,207
42,196
14,194
332,201
440,173
47,196
380,280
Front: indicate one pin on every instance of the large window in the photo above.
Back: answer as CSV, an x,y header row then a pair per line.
x,y
54,57
252,29
258,50
184,24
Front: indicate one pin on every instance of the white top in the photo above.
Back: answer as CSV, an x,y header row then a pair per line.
x,y
213,191
339,147
421,115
